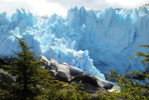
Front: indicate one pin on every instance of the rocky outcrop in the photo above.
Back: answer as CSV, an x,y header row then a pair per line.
x,y
67,73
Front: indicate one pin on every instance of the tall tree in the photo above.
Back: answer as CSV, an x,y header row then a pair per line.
x,y
33,82
27,71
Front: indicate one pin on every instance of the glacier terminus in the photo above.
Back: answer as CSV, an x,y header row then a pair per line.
x,y
93,41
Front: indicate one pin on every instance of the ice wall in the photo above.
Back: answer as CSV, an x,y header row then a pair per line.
x,y
111,36
49,37
90,40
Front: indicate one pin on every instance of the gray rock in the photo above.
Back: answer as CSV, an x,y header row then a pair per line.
x,y
85,78
67,73
97,82
105,84
63,72
60,71
74,71
90,88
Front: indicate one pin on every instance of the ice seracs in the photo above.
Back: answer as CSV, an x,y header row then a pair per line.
x,y
93,41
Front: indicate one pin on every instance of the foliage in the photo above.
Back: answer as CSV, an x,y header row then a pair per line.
x,y
33,82
5,67
26,68
74,92
131,89
65,92
143,55
4,94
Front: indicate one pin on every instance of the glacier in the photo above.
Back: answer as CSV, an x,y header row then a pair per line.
x,y
93,41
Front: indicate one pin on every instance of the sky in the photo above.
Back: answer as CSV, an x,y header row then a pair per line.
x,y
60,7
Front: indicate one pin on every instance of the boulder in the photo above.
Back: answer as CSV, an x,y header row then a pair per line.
x,y
67,73
63,72
60,71
94,81
105,84
74,71
85,78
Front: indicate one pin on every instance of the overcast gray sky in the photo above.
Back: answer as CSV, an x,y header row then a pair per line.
x,y
48,7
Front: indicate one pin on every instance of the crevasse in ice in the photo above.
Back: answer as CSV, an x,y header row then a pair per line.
x,y
91,40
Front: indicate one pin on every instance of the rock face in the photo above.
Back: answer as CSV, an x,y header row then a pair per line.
x,y
67,73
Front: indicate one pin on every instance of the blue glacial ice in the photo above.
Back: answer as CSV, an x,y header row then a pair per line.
x,y
94,41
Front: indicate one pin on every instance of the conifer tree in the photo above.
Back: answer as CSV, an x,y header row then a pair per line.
x,y
33,82
27,71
